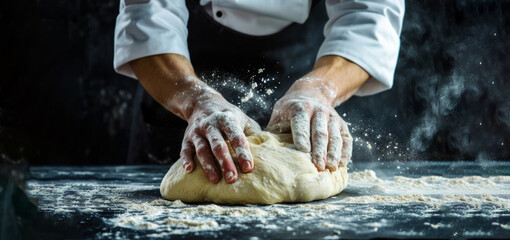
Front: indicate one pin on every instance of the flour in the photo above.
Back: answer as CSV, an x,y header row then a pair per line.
x,y
200,225
247,97
434,204
326,207
435,191
365,175
392,199
136,222
307,114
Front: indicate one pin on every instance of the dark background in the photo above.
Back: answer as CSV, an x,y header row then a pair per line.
x,y
62,103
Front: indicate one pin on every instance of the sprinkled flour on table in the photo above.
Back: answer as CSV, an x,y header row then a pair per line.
x,y
370,204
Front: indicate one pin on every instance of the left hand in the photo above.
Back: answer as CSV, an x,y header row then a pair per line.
x,y
316,127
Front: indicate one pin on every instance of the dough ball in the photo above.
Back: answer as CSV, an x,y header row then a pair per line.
x,y
281,174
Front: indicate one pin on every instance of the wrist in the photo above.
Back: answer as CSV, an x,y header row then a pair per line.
x,y
171,80
193,97
335,78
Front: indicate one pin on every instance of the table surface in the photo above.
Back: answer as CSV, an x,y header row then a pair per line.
x,y
383,200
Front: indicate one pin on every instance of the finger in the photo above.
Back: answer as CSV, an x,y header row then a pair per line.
x,y
239,143
206,158
186,154
220,151
251,127
300,125
275,117
319,140
346,144
282,126
278,123
335,145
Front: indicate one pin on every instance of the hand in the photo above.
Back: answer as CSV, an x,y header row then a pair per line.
x,y
305,110
171,80
212,121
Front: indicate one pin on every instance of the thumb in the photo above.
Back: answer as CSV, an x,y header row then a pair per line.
x,y
251,127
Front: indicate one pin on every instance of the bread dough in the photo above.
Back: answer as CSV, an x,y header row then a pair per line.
x,y
281,174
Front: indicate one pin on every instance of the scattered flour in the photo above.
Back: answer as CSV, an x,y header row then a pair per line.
x,y
366,175
231,211
393,199
247,97
362,207
200,225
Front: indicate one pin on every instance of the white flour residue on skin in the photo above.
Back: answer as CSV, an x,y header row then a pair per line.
x,y
335,146
320,139
300,125
309,117
328,88
214,119
199,91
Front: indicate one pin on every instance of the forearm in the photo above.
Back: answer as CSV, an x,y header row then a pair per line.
x,y
337,78
171,81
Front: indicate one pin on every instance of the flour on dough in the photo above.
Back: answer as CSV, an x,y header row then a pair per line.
x,y
281,174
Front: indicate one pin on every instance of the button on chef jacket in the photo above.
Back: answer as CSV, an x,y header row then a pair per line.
x,y
365,32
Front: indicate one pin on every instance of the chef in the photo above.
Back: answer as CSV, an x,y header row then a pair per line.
x,y
321,53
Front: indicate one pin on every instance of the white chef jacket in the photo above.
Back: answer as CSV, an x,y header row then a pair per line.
x,y
365,32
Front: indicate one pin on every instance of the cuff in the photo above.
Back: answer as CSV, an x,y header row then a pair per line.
x,y
368,38
148,29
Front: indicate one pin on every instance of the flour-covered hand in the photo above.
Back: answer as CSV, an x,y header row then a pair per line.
x,y
171,80
213,121
315,126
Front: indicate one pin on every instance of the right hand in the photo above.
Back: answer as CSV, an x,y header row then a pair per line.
x,y
171,80
212,121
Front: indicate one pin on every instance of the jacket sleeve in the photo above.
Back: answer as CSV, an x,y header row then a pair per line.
x,y
149,27
366,32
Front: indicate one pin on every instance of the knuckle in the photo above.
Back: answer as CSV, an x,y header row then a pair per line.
x,y
220,147
321,109
223,116
299,107
193,134
203,151
334,155
320,134
318,155
347,141
238,141
186,147
206,127
335,139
